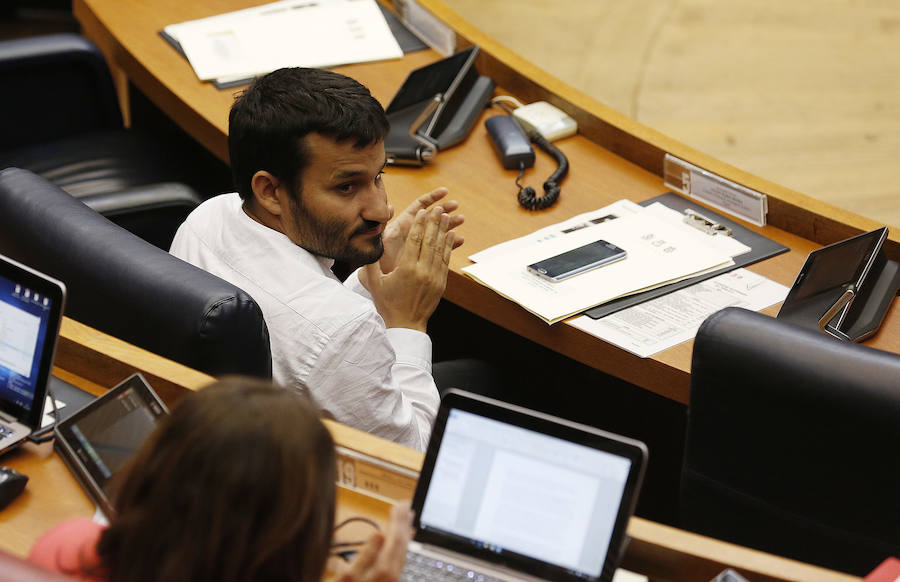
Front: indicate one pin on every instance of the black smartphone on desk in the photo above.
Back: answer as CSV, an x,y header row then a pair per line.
x,y
577,261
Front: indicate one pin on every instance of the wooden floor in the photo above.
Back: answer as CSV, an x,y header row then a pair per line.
x,y
805,93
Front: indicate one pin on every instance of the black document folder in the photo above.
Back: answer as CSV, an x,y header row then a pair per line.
x,y
760,248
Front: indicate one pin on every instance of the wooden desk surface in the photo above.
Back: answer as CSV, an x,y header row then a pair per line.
x,y
663,553
613,157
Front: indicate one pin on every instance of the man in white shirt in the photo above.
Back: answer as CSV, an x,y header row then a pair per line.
x,y
307,154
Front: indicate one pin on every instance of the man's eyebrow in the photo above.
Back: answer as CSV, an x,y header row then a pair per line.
x,y
345,174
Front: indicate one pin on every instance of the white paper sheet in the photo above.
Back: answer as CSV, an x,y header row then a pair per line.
x,y
560,229
47,419
658,253
289,33
658,324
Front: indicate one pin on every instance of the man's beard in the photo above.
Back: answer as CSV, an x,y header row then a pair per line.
x,y
328,238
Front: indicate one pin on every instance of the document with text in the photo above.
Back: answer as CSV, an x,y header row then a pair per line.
x,y
666,321
289,33
659,252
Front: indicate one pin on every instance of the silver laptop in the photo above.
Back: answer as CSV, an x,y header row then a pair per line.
x,y
31,307
507,493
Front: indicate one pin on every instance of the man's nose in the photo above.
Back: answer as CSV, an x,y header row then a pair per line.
x,y
376,205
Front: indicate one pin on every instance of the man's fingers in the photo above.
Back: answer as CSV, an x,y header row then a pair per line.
x,y
414,240
429,198
440,241
450,206
449,246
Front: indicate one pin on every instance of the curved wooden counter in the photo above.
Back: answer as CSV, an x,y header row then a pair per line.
x,y
613,157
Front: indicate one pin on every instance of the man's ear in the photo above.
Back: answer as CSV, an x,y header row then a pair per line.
x,y
265,186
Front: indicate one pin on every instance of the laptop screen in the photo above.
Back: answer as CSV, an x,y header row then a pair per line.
x,y
30,308
536,494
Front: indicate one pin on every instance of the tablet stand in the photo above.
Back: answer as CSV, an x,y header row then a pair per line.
x,y
872,302
867,310
404,142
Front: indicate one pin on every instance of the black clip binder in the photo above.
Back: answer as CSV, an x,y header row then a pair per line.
x,y
844,289
713,224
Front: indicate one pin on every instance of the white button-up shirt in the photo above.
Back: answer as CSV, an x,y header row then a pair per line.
x,y
328,341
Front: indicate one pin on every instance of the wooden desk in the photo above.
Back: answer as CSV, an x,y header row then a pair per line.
x,y
372,472
613,157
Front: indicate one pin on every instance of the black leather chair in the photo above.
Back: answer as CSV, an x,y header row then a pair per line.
x,y
128,288
60,118
793,443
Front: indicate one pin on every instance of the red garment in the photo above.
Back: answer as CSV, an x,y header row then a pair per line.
x,y
69,548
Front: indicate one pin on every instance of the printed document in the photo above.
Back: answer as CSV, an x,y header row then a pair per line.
x,y
659,252
658,324
289,33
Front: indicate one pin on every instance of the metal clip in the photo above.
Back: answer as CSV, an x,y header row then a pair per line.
x,y
703,223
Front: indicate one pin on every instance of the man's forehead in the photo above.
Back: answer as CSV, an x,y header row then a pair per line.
x,y
340,159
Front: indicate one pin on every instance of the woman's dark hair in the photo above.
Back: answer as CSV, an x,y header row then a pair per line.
x,y
237,484
269,120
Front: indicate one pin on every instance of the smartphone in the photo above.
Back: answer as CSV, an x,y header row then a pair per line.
x,y
577,261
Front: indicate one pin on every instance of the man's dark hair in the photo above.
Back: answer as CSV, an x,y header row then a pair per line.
x,y
269,120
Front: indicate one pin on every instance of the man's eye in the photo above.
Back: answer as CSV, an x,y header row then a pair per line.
x,y
346,188
379,176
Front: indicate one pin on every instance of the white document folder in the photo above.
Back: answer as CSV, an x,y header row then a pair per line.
x,y
658,253
289,33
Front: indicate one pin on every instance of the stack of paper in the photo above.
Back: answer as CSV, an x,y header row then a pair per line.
x,y
661,249
290,33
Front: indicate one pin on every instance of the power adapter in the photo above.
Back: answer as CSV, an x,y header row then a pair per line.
x,y
510,142
546,119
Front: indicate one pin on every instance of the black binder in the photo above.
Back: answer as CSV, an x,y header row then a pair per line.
x,y
760,248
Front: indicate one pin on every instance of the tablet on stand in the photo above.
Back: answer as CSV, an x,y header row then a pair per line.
x,y
844,289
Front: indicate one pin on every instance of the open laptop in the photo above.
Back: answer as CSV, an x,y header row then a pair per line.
x,y
507,493
31,307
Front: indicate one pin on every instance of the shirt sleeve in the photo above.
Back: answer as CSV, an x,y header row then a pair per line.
x,y
378,380
69,548
354,284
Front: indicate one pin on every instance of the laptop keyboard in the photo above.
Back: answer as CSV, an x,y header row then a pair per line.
x,y
5,432
421,568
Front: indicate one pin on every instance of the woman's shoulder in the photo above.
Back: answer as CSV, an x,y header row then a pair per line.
x,y
69,548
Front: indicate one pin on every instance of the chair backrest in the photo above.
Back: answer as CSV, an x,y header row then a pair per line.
x,y
33,69
128,288
793,443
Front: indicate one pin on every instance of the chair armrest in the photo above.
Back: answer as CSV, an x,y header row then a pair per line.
x,y
54,86
144,199
153,212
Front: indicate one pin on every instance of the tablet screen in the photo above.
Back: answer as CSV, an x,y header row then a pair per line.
x,y
100,438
